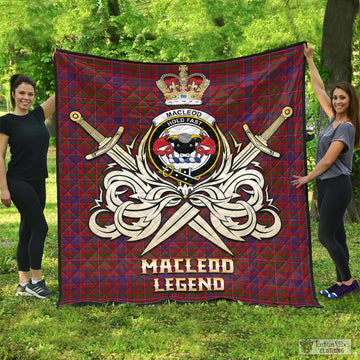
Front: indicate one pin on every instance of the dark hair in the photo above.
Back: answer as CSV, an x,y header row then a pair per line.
x,y
353,110
15,81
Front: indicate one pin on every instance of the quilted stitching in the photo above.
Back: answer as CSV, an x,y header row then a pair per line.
x,y
109,93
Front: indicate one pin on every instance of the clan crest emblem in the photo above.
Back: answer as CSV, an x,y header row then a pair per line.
x,y
184,146
185,162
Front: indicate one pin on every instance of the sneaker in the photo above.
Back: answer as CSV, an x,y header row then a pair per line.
x,y
330,290
344,290
39,290
20,291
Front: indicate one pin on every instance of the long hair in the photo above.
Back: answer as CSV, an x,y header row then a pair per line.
x,y
353,110
15,81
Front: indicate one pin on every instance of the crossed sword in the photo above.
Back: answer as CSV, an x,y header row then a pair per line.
x,y
186,214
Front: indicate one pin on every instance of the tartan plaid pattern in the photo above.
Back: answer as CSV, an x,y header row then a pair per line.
x,y
109,93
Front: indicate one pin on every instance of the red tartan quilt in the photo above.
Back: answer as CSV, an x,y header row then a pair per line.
x,y
174,180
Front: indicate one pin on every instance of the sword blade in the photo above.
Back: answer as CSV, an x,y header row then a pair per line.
x,y
189,215
124,159
200,225
181,217
245,156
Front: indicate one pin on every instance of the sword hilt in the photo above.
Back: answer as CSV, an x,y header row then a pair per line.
x,y
286,112
106,144
77,117
260,141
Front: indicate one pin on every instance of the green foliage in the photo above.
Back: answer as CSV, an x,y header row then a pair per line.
x,y
160,31
282,23
7,259
26,42
356,55
310,158
52,141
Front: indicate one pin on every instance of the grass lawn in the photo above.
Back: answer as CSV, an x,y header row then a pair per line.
x,y
222,330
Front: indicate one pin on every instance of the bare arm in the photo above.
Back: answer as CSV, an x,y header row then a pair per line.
x,y
49,106
329,158
4,190
317,83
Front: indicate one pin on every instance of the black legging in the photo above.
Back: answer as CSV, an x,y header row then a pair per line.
x,y
334,195
29,198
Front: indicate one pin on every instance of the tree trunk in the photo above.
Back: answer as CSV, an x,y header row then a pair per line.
x,y
51,125
337,40
336,44
114,10
336,57
314,211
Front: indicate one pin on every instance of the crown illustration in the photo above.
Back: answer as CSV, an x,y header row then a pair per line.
x,y
183,89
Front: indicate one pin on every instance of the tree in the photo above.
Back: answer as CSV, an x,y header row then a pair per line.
x,y
284,22
159,31
150,31
26,42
